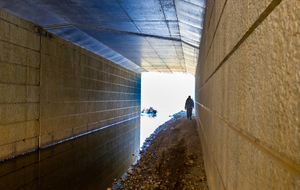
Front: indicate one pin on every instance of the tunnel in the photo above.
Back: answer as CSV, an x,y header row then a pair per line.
x,y
70,87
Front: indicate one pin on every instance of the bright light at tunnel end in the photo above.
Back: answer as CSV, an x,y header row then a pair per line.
x,y
166,93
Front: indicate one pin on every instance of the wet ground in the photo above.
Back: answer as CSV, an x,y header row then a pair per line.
x,y
171,158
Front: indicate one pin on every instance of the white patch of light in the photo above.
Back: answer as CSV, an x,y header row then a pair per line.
x,y
167,94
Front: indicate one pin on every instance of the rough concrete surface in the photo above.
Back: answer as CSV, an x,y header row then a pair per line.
x,y
247,86
19,91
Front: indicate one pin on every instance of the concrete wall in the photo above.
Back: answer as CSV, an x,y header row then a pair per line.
x,y
52,90
19,86
248,94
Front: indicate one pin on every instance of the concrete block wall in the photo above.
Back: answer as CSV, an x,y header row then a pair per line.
x,y
81,92
52,90
247,94
19,86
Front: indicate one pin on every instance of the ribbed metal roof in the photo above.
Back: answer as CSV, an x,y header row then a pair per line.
x,y
141,35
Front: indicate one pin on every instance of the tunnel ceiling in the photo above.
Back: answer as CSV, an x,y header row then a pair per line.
x,y
141,35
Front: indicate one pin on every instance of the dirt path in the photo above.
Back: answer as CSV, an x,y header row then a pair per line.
x,y
171,158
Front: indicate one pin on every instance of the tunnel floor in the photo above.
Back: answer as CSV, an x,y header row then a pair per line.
x,y
171,158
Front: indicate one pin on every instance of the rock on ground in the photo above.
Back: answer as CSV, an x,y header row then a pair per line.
x,y
171,158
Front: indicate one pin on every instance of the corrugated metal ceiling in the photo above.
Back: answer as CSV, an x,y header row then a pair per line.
x,y
141,35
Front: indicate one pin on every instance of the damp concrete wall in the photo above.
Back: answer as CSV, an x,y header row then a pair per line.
x,y
52,90
248,94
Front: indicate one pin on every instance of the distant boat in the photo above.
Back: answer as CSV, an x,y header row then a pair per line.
x,y
150,112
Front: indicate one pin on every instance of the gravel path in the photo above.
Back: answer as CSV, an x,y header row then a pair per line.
x,y
171,158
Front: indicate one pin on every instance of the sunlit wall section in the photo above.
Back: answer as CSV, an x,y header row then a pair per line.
x,y
247,86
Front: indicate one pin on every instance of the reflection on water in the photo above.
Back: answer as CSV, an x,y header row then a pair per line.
x,y
149,124
88,162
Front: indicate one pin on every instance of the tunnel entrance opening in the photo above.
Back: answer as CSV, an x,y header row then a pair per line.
x,y
165,93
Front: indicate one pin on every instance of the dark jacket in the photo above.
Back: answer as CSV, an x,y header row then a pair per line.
x,y
189,103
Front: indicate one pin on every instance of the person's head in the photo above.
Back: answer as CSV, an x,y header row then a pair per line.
x,y
189,96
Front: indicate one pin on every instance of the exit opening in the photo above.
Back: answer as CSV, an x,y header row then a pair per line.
x,y
165,93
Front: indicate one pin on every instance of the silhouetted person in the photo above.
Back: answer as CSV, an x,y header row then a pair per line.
x,y
189,105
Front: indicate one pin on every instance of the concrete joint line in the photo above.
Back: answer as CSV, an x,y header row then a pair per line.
x,y
95,130
216,27
210,14
18,45
104,81
93,68
280,159
17,142
15,157
260,19
27,29
202,129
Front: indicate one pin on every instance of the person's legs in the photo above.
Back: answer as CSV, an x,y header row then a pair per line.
x,y
189,113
